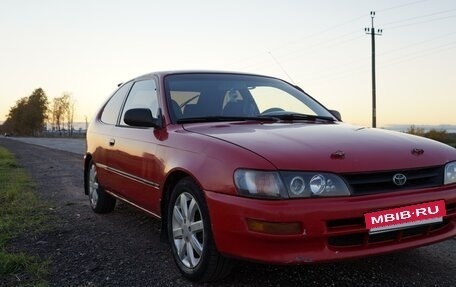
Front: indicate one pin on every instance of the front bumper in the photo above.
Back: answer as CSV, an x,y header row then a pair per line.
x,y
333,228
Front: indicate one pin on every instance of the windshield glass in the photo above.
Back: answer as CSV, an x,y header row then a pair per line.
x,y
231,96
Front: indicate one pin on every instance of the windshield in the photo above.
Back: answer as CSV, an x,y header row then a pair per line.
x,y
194,97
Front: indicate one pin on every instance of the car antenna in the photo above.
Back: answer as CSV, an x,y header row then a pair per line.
x,y
281,67
120,84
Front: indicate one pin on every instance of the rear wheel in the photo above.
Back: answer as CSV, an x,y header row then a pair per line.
x,y
100,201
190,235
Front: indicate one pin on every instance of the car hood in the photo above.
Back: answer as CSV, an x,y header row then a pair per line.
x,y
329,147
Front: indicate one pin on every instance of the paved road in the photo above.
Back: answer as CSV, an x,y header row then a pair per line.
x,y
74,145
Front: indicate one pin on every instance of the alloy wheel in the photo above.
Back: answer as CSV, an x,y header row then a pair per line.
x,y
93,186
188,230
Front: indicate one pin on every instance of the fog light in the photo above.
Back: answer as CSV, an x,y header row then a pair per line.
x,y
275,228
317,184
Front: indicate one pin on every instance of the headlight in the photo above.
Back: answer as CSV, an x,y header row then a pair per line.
x,y
259,183
450,173
312,184
269,184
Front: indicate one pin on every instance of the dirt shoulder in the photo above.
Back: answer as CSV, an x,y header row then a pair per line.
x,y
123,248
86,249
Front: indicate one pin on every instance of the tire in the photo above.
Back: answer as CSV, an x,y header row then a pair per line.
x,y
190,235
100,201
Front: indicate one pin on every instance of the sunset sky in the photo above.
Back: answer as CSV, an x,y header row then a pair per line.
x,y
87,47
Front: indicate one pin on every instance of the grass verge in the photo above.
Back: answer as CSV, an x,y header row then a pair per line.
x,y
21,213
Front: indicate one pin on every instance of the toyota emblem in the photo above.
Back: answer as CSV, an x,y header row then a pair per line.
x,y
399,179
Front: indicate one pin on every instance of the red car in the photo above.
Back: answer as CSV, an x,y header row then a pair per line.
x,y
251,167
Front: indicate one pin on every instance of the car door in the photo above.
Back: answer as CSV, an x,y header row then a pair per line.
x,y
134,162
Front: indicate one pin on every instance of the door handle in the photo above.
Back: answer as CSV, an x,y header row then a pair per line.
x,y
112,142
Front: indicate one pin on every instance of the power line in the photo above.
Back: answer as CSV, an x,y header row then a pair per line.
x,y
283,46
415,44
350,70
418,54
354,66
331,28
336,43
418,17
402,5
259,55
422,22
318,47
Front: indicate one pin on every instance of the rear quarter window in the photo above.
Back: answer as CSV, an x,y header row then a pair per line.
x,y
112,108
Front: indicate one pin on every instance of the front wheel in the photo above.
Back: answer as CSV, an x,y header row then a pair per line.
x,y
190,235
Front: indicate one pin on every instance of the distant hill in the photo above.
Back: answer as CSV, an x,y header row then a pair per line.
x,y
403,128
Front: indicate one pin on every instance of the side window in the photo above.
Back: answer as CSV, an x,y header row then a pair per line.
x,y
143,95
112,108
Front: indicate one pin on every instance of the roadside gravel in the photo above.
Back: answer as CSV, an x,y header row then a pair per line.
x,y
123,248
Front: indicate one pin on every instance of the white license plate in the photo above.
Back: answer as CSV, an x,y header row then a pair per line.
x,y
405,217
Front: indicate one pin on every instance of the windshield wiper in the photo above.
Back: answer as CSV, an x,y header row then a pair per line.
x,y
275,118
294,116
225,119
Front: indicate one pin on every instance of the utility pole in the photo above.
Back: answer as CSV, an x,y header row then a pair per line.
x,y
373,33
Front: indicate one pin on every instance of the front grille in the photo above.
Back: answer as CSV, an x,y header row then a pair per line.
x,y
368,183
352,232
365,239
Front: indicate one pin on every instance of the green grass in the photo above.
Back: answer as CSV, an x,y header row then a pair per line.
x,y
21,213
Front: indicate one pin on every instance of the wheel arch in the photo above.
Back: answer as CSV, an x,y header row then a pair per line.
x,y
87,160
170,182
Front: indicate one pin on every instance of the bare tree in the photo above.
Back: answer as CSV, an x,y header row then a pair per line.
x,y
58,113
62,113
70,108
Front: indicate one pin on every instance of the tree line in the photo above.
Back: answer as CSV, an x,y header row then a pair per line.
x,y
31,115
440,135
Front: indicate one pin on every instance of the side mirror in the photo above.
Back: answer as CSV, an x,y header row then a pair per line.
x,y
141,118
336,114
299,88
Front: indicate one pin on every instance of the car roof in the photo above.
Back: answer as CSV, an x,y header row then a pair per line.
x,y
161,74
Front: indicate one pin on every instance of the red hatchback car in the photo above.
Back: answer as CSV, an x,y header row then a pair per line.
x,y
251,167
